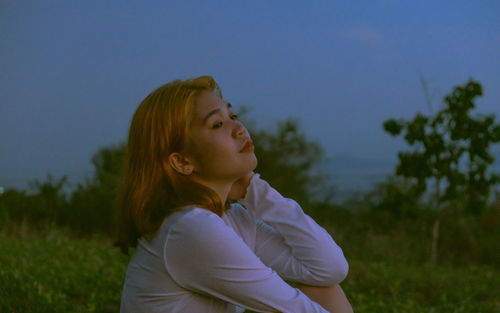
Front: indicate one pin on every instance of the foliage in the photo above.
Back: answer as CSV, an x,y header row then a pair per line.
x,y
381,287
381,236
395,195
442,141
45,203
89,208
93,203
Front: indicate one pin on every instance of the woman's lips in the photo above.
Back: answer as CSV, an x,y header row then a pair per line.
x,y
248,147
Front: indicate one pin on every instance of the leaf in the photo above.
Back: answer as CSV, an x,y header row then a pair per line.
x,y
393,127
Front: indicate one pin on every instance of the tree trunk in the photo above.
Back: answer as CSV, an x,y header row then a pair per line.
x,y
435,226
435,238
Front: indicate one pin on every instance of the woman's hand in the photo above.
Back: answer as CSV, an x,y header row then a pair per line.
x,y
239,188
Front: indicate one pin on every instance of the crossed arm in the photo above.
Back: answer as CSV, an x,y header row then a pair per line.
x,y
331,298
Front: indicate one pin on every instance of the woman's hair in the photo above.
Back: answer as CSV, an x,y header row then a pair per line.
x,y
151,189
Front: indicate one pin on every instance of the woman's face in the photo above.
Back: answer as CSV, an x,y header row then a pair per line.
x,y
220,144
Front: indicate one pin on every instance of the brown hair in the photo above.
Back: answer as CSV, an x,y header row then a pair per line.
x,y
151,189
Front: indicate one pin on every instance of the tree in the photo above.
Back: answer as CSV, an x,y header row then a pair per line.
x,y
288,160
45,203
49,200
442,141
93,203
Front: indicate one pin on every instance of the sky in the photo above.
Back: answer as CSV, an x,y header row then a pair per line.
x,y
72,73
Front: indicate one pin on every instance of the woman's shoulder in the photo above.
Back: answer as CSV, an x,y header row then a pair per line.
x,y
183,215
197,228
198,223
191,218
202,221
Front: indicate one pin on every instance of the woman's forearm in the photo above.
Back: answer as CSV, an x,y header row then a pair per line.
x,y
331,298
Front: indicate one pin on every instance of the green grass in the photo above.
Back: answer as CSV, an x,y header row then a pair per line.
x,y
53,272
56,273
383,287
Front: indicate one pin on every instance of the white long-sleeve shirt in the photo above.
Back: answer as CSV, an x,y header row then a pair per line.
x,y
199,262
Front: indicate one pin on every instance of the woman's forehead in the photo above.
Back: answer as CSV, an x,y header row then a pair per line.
x,y
207,102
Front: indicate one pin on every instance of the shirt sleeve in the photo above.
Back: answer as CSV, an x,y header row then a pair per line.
x,y
291,242
206,256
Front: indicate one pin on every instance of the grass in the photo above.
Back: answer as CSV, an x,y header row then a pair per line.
x,y
57,273
51,271
383,287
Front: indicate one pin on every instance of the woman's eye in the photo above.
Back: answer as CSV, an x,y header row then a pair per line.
x,y
219,124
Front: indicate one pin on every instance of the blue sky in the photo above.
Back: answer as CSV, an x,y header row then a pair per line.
x,y
73,72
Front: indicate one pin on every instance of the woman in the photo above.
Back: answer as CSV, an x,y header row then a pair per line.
x,y
188,159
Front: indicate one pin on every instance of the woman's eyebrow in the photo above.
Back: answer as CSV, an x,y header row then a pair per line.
x,y
215,111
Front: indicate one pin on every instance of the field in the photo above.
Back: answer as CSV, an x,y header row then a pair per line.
x,y
51,271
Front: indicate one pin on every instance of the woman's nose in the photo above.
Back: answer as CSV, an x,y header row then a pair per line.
x,y
239,130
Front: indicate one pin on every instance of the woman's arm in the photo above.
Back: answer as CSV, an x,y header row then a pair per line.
x,y
290,241
204,255
331,298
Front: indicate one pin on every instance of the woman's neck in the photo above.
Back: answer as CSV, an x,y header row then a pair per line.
x,y
220,188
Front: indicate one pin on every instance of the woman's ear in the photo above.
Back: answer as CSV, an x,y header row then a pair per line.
x,y
180,163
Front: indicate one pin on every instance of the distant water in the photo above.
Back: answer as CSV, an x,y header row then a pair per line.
x,y
350,174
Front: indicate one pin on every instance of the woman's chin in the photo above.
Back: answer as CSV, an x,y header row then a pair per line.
x,y
254,163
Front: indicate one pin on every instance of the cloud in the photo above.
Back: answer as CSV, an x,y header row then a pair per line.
x,y
370,39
